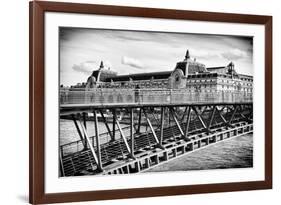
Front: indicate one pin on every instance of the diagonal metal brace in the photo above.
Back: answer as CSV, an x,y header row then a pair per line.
x,y
152,129
222,117
172,111
212,118
96,159
233,114
199,117
124,138
188,118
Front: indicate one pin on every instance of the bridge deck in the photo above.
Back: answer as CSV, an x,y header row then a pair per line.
x,y
77,100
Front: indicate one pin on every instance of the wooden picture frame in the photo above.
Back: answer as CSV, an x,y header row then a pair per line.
x,y
37,98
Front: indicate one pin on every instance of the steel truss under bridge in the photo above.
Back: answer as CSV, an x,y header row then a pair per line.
x,y
141,137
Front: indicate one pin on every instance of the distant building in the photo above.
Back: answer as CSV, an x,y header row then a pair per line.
x,y
188,74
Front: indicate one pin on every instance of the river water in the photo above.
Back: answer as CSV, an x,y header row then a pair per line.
x,y
232,153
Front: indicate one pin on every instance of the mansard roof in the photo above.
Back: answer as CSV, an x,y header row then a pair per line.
x,y
140,76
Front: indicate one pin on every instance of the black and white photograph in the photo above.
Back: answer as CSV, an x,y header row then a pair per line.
x,y
141,102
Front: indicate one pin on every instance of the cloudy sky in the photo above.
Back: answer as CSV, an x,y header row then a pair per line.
x,y
81,51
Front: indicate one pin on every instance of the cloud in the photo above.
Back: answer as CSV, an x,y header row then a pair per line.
x,y
86,67
203,54
132,62
234,54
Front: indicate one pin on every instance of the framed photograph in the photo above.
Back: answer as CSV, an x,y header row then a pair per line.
x,y
139,102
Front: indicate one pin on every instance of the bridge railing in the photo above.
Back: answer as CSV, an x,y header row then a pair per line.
x,y
77,146
149,96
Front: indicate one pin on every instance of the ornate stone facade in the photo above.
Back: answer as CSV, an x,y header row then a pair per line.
x,y
188,74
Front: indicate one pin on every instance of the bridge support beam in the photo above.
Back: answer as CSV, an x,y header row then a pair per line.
x,y
85,124
211,119
243,116
61,164
172,111
113,124
79,132
187,123
96,158
132,131
106,125
152,129
97,139
139,121
222,117
184,113
134,125
124,138
162,125
199,117
203,110
84,120
233,114
155,118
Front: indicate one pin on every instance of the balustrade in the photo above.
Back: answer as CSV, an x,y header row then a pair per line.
x,y
149,96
